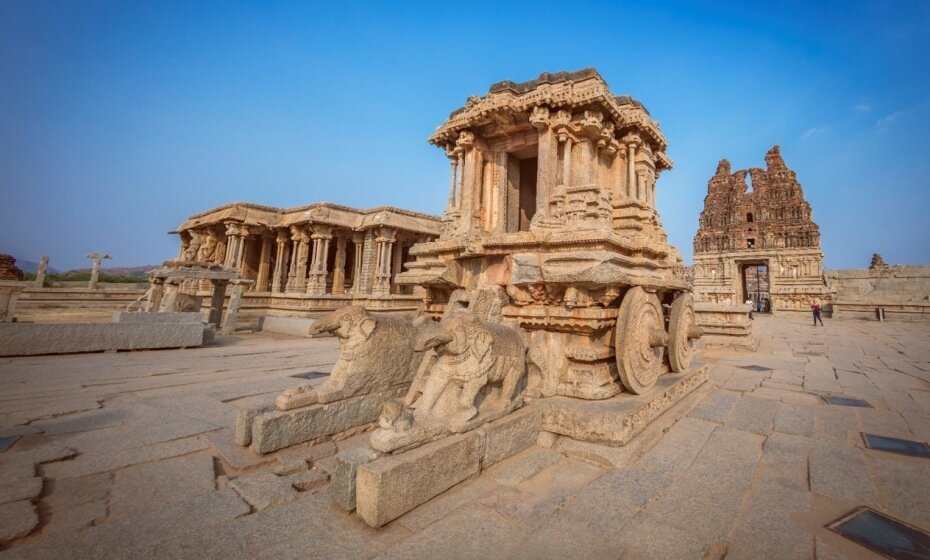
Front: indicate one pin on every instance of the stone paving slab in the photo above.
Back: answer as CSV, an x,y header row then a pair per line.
x,y
130,453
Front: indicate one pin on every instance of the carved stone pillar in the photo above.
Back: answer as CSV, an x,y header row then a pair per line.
x,y
385,242
216,303
298,282
460,161
468,197
631,170
619,168
280,261
232,239
587,152
546,161
339,270
358,240
264,263
567,160
454,160
241,249
397,262
321,237
40,273
235,300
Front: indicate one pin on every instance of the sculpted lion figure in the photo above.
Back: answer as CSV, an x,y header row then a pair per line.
x,y
375,354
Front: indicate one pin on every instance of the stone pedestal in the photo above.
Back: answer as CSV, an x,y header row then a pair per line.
x,y
725,325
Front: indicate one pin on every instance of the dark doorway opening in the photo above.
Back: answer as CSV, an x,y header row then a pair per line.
x,y
527,192
756,287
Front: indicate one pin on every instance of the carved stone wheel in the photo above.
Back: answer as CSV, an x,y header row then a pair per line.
x,y
640,338
681,332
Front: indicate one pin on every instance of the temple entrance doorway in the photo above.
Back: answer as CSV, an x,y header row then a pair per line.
x,y
756,286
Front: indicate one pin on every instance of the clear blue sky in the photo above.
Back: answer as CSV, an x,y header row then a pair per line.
x,y
120,119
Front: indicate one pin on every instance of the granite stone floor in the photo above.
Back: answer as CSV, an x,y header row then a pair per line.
x,y
130,455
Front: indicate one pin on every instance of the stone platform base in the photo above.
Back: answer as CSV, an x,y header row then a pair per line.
x,y
296,326
389,487
265,429
749,343
725,325
29,339
617,420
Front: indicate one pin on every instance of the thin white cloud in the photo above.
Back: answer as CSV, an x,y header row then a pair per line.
x,y
862,107
812,131
883,123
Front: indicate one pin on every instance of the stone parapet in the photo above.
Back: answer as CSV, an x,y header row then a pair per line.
x,y
903,292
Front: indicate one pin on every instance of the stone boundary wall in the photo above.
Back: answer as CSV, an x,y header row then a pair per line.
x,y
54,304
902,291
79,304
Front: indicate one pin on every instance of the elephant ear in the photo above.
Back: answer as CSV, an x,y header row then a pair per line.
x,y
481,345
368,326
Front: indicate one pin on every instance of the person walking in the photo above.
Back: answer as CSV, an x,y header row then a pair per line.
x,y
751,306
815,307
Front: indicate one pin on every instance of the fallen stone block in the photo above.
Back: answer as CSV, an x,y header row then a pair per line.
x,y
393,485
29,339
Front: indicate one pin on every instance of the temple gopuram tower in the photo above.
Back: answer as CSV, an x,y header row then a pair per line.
x,y
758,242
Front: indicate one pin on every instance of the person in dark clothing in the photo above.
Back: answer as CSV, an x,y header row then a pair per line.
x,y
815,307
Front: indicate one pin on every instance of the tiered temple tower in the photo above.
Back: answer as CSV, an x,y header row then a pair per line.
x,y
758,241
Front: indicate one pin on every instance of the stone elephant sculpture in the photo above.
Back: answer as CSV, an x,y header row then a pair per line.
x,y
470,354
375,354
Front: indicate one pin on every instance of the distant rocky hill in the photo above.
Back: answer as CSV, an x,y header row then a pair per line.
x,y
31,267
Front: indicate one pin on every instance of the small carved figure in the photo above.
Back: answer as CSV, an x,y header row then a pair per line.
x,y
207,249
395,417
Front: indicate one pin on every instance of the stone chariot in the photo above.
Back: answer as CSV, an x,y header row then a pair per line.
x,y
552,198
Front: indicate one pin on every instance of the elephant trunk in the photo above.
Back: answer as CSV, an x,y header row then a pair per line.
x,y
431,339
324,325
